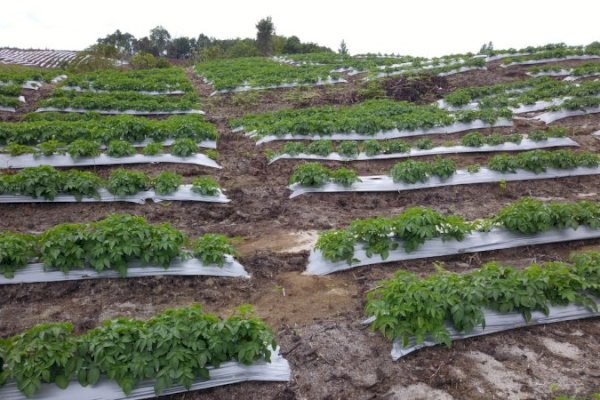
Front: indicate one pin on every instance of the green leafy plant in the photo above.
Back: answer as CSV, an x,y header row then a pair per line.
x,y
129,351
344,176
310,174
126,183
15,251
212,154
348,149
184,147
166,182
83,148
320,148
294,148
51,147
473,139
337,245
443,168
212,248
15,149
398,146
43,181
205,186
424,144
410,307
153,149
410,171
473,168
503,163
120,148
81,184
375,233
44,354
62,247
373,147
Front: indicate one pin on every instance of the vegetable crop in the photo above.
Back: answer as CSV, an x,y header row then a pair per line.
x,y
106,129
175,347
109,244
408,306
415,225
47,182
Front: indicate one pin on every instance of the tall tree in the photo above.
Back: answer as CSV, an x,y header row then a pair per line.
x,y
124,42
180,47
292,45
160,38
343,48
264,34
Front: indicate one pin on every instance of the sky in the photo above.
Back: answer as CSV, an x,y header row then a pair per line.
x,y
420,27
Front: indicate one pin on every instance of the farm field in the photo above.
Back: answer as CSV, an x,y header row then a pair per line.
x,y
254,144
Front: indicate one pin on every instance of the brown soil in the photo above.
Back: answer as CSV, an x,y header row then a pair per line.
x,y
318,319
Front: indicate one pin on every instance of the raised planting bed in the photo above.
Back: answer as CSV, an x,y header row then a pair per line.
x,y
413,175
132,359
45,184
155,81
423,233
374,119
120,245
440,308
375,150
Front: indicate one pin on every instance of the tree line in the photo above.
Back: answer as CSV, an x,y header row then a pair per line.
x,y
160,43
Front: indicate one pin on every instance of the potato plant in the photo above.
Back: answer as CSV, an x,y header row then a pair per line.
x,y
130,351
410,307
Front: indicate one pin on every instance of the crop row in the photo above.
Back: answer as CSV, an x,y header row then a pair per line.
x,y
105,129
260,72
558,52
534,49
47,182
151,80
182,147
433,69
523,92
578,70
409,307
120,101
374,147
175,347
20,74
8,101
415,225
109,244
411,172
368,117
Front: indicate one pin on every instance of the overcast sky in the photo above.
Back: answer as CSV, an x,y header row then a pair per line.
x,y
419,27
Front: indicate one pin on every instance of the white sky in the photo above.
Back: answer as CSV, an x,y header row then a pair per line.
x,y
419,27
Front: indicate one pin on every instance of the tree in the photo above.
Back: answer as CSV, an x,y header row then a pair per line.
x,y
203,42
144,45
242,48
160,38
343,48
180,47
264,34
292,45
487,48
124,42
